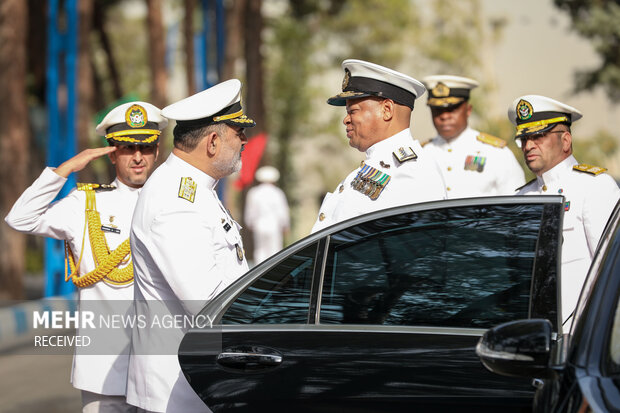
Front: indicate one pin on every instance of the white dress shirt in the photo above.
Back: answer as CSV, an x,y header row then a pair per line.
x,y
472,168
412,181
589,200
186,249
101,371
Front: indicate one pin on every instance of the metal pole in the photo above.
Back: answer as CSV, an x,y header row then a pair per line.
x,y
61,89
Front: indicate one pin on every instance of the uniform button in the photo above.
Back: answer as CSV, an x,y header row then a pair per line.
x,y
449,150
448,188
544,188
341,188
449,168
321,216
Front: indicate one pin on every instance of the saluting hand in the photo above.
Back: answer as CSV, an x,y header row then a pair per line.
x,y
79,161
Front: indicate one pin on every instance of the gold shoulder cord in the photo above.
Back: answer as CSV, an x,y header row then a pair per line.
x,y
106,262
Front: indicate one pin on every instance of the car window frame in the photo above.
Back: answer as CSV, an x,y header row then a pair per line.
x,y
218,306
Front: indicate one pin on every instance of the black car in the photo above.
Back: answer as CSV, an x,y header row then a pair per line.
x,y
579,372
383,312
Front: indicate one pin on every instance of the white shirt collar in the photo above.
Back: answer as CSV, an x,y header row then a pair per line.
x,y
556,173
402,138
121,187
201,178
463,139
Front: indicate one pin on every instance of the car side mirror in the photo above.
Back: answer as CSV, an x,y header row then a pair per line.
x,y
519,348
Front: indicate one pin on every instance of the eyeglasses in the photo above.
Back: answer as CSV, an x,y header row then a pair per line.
x,y
522,140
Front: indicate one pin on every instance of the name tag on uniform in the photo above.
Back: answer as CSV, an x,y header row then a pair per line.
x,y
110,229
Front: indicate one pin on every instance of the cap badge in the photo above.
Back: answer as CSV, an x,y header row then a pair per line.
x,y
524,110
136,116
345,81
441,90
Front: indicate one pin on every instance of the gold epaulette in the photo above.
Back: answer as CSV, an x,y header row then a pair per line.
x,y
94,187
589,169
491,140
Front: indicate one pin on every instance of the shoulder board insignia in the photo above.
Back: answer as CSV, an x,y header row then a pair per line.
x,y
592,170
187,189
404,155
94,187
370,181
491,140
523,186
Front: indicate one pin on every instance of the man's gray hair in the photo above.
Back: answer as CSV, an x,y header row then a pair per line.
x,y
186,139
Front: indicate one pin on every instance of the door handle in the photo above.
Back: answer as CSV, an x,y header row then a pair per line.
x,y
248,361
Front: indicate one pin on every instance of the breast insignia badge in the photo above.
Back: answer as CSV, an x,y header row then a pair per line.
x,y
475,163
239,252
404,154
370,181
187,189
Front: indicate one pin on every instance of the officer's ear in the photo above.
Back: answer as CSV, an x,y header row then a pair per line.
x,y
112,156
468,108
567,141
213,141
387,107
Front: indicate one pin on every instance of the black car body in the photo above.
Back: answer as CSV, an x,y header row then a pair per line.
x,y
383,312
579,372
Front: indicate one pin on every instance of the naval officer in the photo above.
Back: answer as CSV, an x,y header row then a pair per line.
x,y
543,132
472,163
186,246
94,221
379,102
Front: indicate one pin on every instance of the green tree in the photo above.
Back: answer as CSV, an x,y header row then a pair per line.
x,y
597,149
598,21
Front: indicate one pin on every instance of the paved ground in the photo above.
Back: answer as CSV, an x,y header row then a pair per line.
x,y
34,384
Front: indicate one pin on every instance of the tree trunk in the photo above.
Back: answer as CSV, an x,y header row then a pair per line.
x,y
232,53
157,55
14,138
85,87
254,66
188,32
99,25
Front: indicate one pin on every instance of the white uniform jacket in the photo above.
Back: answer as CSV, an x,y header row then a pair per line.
x,y
186,249
471,167
589,201
411,181
267,215
34,213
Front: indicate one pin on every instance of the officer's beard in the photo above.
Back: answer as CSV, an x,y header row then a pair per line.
x,y
226,167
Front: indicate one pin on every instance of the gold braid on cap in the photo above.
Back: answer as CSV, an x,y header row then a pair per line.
x,y
106,262
541,123
123,135
229,116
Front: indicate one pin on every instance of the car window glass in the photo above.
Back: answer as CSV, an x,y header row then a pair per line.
x,y
457,267
281,295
